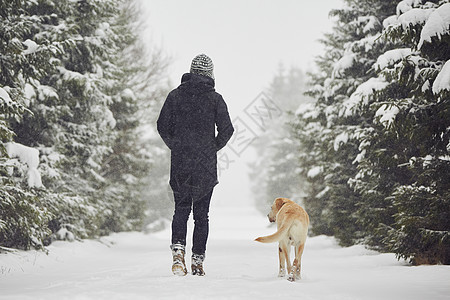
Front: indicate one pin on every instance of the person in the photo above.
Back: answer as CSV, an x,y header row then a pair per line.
x,y
187,124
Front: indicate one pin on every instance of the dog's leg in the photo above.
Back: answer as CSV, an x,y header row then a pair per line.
x,y
296,267
281,257
299,255
287,253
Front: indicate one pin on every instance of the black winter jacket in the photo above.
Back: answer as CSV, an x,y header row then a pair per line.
x,y
187,124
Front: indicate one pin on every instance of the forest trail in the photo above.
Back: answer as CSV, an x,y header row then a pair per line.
x,y
137,266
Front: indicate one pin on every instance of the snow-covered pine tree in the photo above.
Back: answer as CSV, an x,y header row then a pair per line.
x,y
350,52
412,119
71,123
383,106
308,133
23,218
67,64
137,94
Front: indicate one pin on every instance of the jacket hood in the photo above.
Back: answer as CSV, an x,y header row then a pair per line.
x,y
196,84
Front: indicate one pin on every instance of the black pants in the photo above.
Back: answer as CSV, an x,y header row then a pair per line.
x,y
184,203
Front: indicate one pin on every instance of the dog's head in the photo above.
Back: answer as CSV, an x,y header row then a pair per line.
x,y
276,206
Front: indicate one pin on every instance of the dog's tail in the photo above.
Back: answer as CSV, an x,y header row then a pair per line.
x,y
277,236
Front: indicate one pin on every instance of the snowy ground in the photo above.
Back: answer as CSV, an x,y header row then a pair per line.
x,y
137,266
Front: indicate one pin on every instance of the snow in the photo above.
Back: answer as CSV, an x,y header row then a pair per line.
x,y
45,92
64,234
97,176
92,163
444,157
361,94
314,171
71,75
442,81
323,192
406,5
425,86
29,156
128,94
30,93
414,16
372,23
4,97
137,266
438,24
307,110
390,57
360,157
391,20
343,64
102,29
109,116
367,42
31,47
341,138
387,114
106,115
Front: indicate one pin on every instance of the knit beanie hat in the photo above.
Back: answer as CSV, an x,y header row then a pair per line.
x,y
202,65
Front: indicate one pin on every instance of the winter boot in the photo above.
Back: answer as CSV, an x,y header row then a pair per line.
x,y
178,266
197,264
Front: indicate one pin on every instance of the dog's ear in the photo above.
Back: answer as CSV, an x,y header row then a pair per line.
x,y
279,202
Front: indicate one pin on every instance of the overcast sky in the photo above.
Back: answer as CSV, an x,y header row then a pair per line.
x,y
246,39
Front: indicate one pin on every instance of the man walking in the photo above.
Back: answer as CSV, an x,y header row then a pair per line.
x,y
187,123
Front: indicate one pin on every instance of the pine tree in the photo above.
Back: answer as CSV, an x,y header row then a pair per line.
x,y
413,112
137,95
77,70
23,219
71,122
383,109
350,52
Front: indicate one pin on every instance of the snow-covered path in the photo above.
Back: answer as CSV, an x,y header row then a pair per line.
x,y
137,266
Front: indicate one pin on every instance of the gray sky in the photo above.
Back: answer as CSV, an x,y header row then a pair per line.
x,y
247,40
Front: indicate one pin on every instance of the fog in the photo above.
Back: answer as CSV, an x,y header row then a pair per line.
x,y
248,41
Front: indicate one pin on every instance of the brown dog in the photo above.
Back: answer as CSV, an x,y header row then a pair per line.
x,y
292,229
